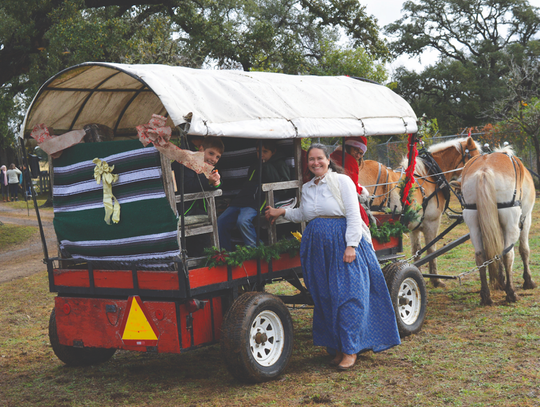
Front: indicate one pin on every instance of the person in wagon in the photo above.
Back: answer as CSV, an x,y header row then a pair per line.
x,y
355,148
213,149
353,311
244,207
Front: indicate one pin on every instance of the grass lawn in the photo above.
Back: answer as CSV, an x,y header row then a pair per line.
x,y
11,235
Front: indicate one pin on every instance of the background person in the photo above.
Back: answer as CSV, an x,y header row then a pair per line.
x,y
13,179
4,184
353,311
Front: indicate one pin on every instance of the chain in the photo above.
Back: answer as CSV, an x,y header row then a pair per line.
x,y
484,264
413,257
465,273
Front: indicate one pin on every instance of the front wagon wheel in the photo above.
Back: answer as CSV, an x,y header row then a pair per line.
x,y
257,337
408,293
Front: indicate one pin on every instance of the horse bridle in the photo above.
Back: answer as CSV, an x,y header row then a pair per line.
x,y
465,152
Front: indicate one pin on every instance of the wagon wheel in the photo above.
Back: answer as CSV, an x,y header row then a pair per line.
x,y
72,356
257,337
408,293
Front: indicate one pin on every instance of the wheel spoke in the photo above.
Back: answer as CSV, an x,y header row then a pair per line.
x,y
410,301
265,338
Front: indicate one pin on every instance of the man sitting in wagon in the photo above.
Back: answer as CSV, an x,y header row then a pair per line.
x,y
243,208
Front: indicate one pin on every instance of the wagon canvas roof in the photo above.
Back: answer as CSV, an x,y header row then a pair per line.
x,y
219,102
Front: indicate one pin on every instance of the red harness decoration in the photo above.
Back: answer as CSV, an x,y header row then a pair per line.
x,y
409,173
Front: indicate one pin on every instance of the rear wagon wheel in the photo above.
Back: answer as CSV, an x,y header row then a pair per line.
x,y
407,290
72,356
257,337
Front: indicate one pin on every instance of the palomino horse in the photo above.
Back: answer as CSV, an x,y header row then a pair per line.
x,y
449,156
499,197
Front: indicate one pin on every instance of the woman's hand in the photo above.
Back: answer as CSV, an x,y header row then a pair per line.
x,y
350,254
272,214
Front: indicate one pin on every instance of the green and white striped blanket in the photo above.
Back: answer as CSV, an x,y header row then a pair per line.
x,y
148,226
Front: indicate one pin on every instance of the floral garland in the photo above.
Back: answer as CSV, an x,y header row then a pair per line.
x,y
216,257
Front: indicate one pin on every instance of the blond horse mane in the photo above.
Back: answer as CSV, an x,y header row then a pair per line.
x,y
506,149
420,168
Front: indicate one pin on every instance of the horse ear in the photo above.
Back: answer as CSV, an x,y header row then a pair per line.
x,y
470,143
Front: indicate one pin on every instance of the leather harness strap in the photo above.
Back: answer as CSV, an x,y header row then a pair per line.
x,y
509,204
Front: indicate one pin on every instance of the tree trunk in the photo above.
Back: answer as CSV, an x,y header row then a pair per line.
x,y
536,144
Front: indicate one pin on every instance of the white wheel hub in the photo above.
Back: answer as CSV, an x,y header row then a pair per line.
x,y
266,338
410,301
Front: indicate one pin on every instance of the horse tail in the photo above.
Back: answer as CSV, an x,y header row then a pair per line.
x,y
488,219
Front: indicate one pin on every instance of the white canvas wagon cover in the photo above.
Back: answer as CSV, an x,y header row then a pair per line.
x,y
218,102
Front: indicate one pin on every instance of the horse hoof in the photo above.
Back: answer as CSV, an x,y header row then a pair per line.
x,y
438,283
486,301
512,297
528,285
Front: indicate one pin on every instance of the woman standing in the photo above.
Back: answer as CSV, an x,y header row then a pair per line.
x,y
353,311
4,183
13,180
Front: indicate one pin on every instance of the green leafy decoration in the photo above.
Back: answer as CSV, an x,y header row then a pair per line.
x,y
387,230
216,257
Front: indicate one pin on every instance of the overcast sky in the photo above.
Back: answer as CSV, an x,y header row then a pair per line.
x,y
388,11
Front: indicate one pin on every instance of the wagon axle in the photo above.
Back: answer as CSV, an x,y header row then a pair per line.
x,y
260,338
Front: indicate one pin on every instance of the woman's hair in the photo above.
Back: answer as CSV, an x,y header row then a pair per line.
x,y
361,162
11,166
332,165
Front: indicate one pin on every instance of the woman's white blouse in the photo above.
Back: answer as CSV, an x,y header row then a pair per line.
x,y
317,200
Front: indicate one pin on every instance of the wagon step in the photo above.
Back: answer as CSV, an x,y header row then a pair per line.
x,y
440,251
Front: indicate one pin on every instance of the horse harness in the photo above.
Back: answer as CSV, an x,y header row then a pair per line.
x,y
442,184
509,204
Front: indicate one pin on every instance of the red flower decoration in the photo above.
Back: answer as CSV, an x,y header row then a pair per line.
x,y
220,256
410,172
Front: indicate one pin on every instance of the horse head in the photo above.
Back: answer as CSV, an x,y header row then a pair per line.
x,y
454,154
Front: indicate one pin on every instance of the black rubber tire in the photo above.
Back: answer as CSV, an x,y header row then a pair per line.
x,y
239,321
414,289
72,356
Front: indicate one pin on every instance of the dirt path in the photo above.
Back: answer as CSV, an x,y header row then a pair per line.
x,y
25,259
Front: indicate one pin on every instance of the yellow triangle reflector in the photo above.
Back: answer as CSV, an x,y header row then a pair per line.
x,y
138,329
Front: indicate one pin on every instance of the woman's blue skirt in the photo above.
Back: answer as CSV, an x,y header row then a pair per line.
x,y
353,311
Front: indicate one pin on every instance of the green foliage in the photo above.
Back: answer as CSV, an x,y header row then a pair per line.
x,y
427,128
468,78
216,257
40,38
348,61
387,230
411,214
